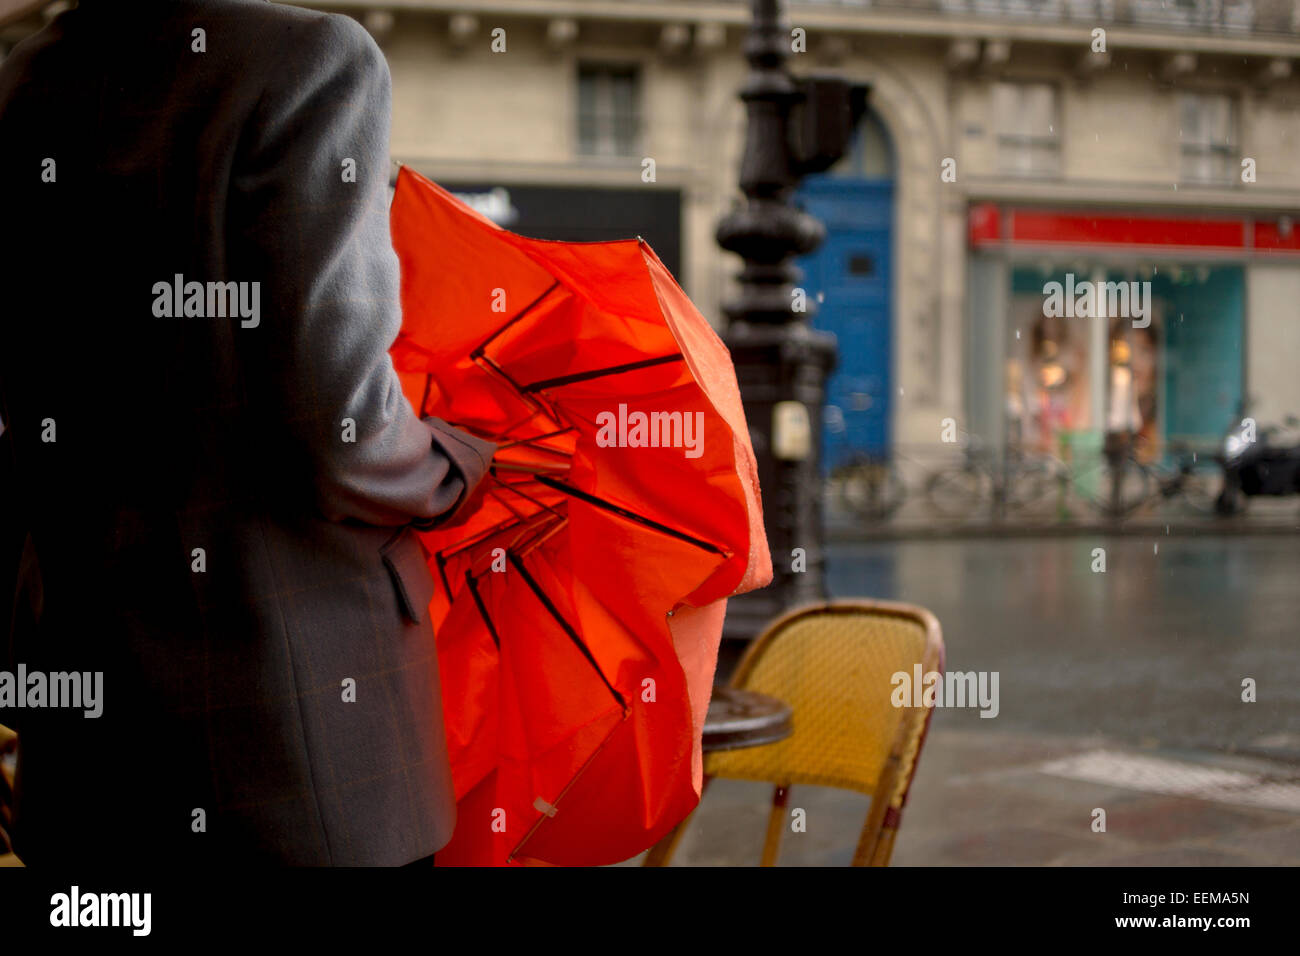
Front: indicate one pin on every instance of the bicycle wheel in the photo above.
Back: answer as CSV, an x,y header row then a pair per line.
x,y
872,491
1200,487
958,492
1118,491
1032,485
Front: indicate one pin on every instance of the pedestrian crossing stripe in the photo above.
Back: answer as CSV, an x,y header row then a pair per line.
x,y
1280,791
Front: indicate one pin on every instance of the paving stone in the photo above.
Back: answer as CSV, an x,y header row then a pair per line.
x,y
1177,856
1163,820
1271,845
999,846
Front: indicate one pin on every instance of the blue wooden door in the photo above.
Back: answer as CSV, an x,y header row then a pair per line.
x,y
850,275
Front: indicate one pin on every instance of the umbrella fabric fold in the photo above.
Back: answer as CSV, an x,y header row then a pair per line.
x,y
579,608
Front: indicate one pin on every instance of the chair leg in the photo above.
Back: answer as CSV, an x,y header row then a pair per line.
x,y
662,852
872,829
885,845
776,824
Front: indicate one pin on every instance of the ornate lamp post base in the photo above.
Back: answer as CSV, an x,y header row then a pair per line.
x,y
777,365
794,127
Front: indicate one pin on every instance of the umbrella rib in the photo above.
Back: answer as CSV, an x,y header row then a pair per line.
x,y
442,572
534,440
537,542
519,515
482,608
533,401
567,787
512,468
514,486
424,399
630,515
539,534
568,628
486,361
601,372
479,536
478,352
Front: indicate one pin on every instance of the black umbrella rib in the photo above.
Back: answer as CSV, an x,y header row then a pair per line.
x,y
601,372
630,515
478,352
532,441
442,572
482,608
568,628
424,399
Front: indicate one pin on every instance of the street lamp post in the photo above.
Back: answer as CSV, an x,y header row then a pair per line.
x,y
794,127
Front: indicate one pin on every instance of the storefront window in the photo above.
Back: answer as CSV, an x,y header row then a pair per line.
x,y
1049,390
1166,369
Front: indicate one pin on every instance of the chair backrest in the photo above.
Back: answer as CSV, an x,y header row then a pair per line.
x,y
835,664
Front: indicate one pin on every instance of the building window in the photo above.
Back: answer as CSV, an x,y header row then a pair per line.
x,y
870,154
609,110
1028,130
1207,136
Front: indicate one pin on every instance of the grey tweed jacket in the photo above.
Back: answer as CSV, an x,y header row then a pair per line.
x,y
216,483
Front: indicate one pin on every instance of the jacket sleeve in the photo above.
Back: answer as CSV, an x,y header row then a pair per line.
x,y
310,221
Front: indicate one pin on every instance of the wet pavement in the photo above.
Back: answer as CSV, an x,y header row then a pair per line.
x,y
1151,652
986,799
1119,691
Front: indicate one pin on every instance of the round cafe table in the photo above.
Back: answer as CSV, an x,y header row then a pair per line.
x,y
737,718
745,718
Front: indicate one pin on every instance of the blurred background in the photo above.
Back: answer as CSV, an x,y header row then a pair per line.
x,y
1123,163
976,451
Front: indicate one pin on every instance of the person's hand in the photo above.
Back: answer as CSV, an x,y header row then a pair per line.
x,y
468,507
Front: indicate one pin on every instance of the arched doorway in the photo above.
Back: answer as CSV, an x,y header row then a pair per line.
x,y
851,277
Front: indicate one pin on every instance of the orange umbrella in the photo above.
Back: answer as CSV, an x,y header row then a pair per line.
x,y
580,604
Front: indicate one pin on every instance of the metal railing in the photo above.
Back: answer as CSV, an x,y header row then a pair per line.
x,y
1237,17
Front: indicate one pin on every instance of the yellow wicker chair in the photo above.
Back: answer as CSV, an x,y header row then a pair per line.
x,y
833,663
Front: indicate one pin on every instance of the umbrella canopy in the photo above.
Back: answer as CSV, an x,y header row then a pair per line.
x,y
580,604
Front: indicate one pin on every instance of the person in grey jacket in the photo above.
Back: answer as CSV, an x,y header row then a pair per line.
x,y
215,470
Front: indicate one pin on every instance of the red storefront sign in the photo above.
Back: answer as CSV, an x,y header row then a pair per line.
x,y
991,225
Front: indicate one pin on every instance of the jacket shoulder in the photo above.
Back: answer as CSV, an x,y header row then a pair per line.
x,y
312,37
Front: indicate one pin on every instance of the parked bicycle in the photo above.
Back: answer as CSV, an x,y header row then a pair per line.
x,y
1121,484
997,481
870,488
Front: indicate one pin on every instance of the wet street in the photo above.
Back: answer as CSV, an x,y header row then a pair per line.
x,y
1151,652
1119,692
